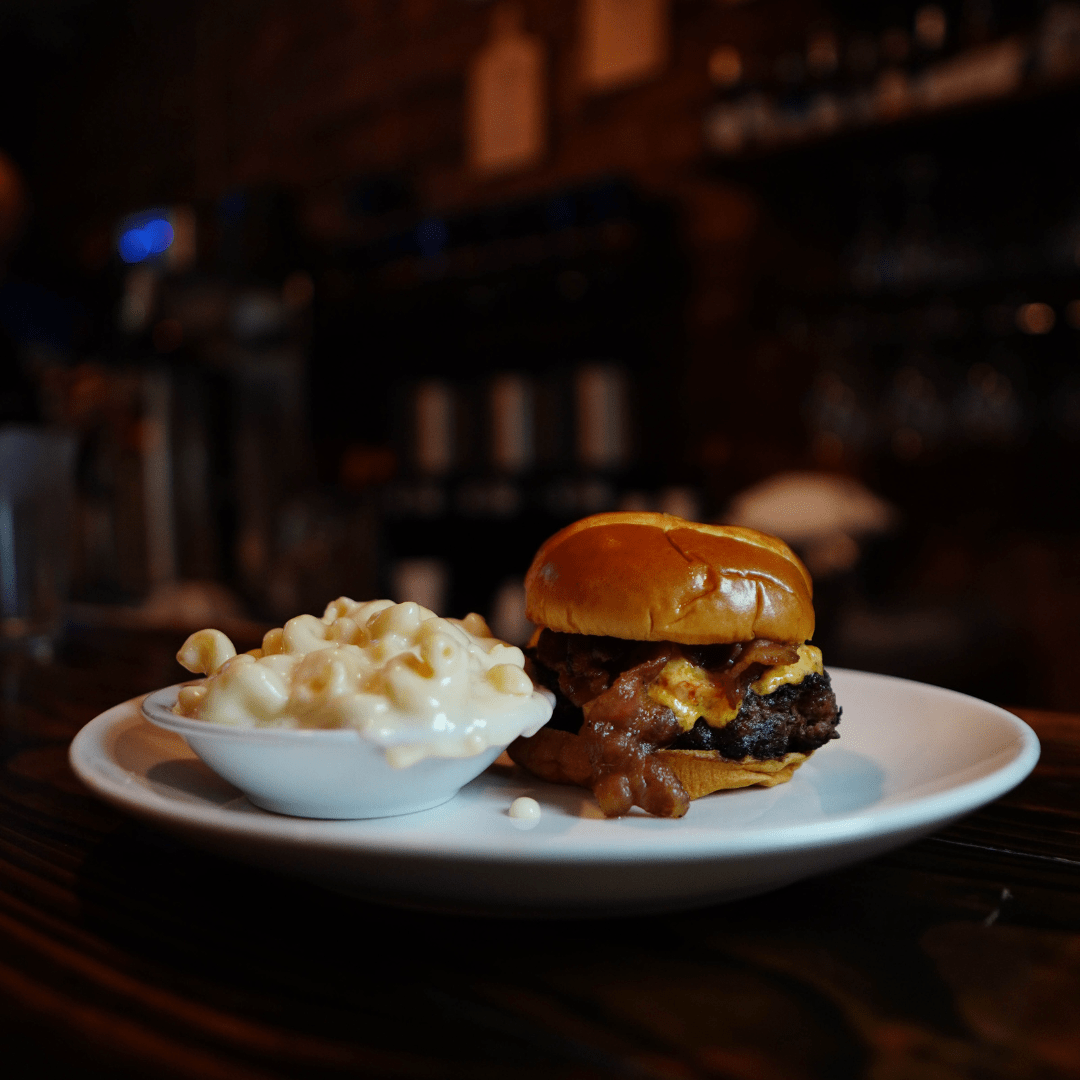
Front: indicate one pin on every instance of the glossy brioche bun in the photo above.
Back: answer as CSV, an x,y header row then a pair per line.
x,y
656,577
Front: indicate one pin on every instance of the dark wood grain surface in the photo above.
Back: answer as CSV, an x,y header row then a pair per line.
x,y
124,953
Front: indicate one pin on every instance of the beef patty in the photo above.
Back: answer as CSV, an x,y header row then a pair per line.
x,y
797,718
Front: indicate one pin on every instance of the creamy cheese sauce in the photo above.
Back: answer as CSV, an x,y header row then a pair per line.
x,y
689,692
413,683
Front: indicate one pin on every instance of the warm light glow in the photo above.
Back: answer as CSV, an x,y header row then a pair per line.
x,y
725,66
822,53
931,26
1035,318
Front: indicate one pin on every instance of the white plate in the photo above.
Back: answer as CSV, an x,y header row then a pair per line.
x,y
911,758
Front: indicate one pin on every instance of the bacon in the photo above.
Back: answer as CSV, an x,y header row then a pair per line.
x,y
746,664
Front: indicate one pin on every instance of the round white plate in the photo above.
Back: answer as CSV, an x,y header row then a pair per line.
x,y
911,758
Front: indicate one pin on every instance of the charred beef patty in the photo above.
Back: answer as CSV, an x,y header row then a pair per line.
x,y
796,718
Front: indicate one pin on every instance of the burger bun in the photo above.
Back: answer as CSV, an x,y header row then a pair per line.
x,y
655,577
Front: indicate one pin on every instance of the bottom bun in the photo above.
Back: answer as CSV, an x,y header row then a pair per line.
x,y
562,758
702,772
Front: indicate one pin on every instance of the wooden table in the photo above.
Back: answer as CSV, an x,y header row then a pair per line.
x,y
126,954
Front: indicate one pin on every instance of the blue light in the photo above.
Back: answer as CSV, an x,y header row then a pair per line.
x,y
431,237
159,234
152,238
134,246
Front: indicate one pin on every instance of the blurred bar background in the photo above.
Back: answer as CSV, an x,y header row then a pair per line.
x,y
368,298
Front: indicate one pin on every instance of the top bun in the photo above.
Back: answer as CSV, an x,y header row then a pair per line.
x,y
656,577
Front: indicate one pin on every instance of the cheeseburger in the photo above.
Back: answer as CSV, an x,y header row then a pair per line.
x,y
678,656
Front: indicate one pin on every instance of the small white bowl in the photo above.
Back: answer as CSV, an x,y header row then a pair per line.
x,y
322,773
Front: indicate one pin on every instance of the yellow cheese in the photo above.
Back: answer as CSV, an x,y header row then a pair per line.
x,y
689,692
809,663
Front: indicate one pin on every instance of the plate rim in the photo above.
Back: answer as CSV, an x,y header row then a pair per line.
x,y
865,824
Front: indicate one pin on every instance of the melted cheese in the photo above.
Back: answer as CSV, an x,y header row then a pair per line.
x,y
809,663
689,692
